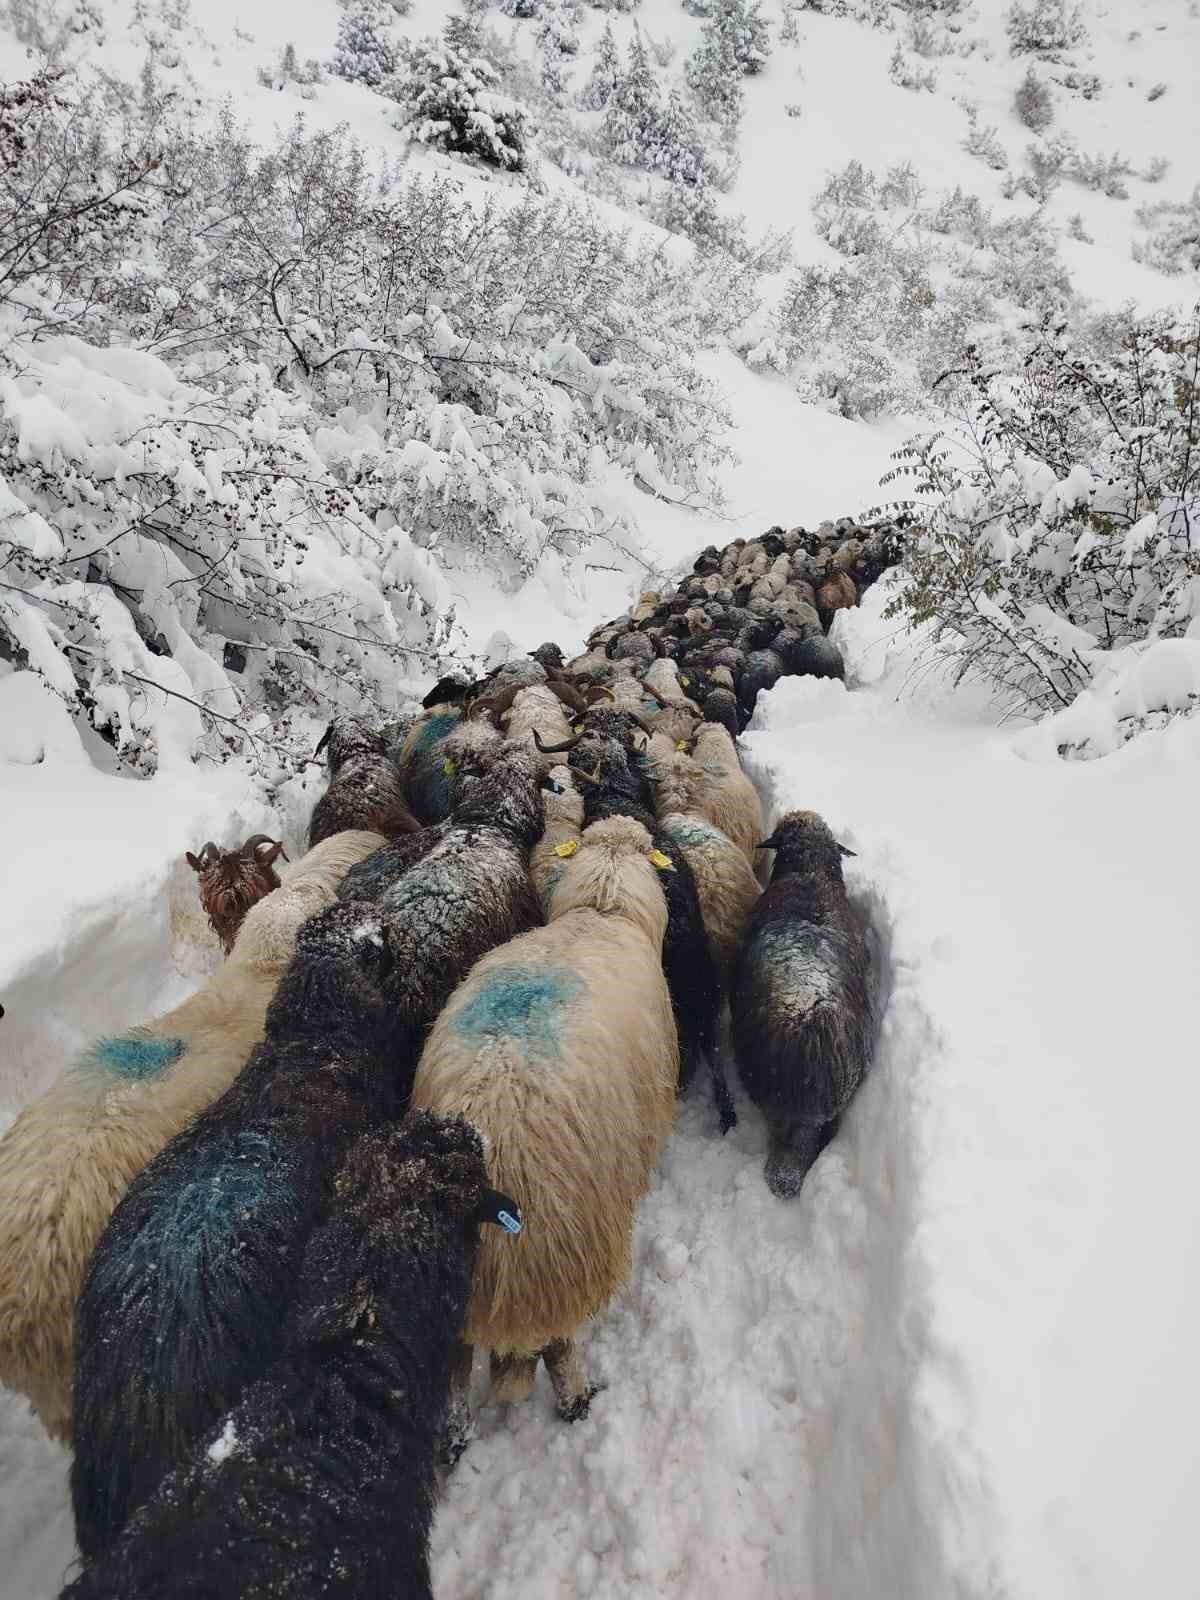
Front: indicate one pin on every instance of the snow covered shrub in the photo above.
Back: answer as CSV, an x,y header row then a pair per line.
x,y
252,402
907,74
521,8
1105,173
984,143
558,41
1172,242
454,102
1064,522
51,31
1033,103
366,49
1044,28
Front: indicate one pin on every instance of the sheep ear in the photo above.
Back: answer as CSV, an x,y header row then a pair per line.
x,y
194,862
500,1209
661,861
846,852
769,844
323,741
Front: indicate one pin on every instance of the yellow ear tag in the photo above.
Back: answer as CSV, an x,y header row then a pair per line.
x,y
681,744
568,848
662,862
578,728
448,767
684,679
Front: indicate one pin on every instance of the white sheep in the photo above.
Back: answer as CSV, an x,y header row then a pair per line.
x,y
710,783
538,709
561,1048
725,884
563,806
69,1157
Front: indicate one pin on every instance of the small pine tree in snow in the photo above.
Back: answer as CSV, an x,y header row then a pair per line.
x,y
631,119
463,33
521,8
715,74
366,52
606,72
558,40
454,102
734,44
1033,102
678,150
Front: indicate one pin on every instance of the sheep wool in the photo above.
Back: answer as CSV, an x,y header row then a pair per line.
x,y
70,1156
803,1026
364,786
181,1305
320,1480
563,806
561,1048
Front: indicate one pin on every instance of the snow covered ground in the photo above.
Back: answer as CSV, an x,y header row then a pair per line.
x,y
959,1365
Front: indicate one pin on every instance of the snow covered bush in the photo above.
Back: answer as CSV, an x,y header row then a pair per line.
x,y
1063,523
1044,28
606,70
454,101
1172,242
632,112
288,70
1033,103
366,51
254,402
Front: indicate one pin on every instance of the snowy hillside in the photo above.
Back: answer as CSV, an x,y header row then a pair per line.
x,y
238,490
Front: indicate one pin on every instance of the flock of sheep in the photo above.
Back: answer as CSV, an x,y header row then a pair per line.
x,y
241,1265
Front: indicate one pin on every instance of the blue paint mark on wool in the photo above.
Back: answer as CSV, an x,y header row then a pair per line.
x,y
199,1214
435,730
527,1004
691,833
137,1057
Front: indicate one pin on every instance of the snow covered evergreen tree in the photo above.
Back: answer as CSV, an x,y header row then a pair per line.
x,y
606,73
631,119
715,73
677,149
558,40
366,51
454,101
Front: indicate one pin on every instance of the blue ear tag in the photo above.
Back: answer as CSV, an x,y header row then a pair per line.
x,y
508,1222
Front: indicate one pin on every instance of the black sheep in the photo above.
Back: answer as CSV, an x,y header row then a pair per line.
x,y
181,1305
763,670
364,785
802,1017
320,1481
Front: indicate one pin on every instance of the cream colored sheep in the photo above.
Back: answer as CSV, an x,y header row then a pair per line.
x,y
563,806
710,783
538,709
561,1048
69,1157
725,884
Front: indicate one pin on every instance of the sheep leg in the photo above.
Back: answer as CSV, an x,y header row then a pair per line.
x,y
512,1375
794,1148
572,1392
458,1426
722,1098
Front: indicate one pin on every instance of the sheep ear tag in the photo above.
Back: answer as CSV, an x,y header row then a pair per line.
x,y
448,767
567,848
500,1209
661,861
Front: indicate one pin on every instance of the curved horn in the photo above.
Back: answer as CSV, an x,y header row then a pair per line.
x,y
257,839
555,749
649,689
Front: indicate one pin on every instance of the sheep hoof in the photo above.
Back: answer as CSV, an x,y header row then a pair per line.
x,y
577,1408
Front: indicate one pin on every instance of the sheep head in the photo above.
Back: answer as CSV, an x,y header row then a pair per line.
x,y
616,871
346,739
804,843
231,881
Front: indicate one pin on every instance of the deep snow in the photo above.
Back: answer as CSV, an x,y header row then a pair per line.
x,y
960,1364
